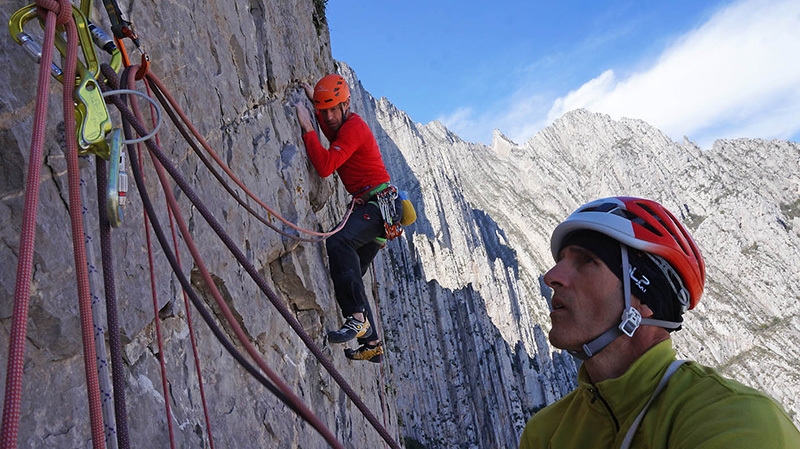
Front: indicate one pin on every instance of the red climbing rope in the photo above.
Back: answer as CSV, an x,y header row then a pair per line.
x,y
79,249
195,352
154,294
16,351
157,323
55,13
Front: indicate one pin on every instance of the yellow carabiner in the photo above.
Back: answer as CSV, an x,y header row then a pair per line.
x,y
27,13
16,26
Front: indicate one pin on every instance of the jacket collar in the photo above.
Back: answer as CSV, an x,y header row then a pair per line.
x,y
627,393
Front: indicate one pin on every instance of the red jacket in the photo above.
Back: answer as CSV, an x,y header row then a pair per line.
x,y
353,153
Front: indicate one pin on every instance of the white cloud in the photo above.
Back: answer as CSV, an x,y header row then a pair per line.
x,y
461,123
518,118
738,75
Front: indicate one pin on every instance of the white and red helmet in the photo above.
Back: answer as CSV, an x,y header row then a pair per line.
x,y
644,225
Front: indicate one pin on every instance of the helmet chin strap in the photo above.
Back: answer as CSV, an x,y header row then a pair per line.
x,y
630,321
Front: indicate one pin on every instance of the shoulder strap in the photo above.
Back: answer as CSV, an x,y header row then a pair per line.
x,y
626,443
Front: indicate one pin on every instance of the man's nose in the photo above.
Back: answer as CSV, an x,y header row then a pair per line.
x,y
554,276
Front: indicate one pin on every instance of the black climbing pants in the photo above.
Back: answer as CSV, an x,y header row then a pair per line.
x,y
350,252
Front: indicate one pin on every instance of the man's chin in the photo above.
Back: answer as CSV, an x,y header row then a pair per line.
x,y
555,341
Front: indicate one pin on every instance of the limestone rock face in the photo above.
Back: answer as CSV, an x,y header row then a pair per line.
x,y
739,200
457,297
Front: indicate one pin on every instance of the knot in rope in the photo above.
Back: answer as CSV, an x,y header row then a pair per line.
x,y
61,8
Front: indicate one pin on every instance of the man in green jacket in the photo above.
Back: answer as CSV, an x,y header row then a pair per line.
x,y
625,272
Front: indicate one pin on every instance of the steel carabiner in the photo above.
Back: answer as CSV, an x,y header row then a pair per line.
x,y
117,181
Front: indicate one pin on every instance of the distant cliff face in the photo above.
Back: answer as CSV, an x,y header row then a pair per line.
x,y
739,199
458,295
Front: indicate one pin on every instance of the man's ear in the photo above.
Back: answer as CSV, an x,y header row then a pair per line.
x,y
643,308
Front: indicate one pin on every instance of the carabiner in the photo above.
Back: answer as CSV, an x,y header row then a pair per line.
x,y
34,48
27,13
117,180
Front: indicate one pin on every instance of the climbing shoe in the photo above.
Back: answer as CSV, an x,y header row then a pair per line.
x,y
366,352
352,328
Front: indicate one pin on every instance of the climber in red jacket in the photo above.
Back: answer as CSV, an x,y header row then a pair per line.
x,y
355,156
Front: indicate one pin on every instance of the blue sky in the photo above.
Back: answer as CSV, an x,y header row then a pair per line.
x,y
703,69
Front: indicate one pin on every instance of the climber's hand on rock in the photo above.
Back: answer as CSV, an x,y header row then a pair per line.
x,y
309,90
303,117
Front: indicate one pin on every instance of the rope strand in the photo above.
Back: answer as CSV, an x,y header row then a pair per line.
x,y
112,322
16,349
153,111
156,320
79,250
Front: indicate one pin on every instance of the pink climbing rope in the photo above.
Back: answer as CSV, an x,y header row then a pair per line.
x,y
55,13
78,244
16,351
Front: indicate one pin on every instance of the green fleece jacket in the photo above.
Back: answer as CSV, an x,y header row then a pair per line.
x,y
698,409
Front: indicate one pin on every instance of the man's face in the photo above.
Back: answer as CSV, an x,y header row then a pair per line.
x,y
587,298
334,117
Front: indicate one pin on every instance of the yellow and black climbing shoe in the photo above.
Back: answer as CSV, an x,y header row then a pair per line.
x,y
352,328
366,352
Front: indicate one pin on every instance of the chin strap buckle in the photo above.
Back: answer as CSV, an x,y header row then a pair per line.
x,y
631,319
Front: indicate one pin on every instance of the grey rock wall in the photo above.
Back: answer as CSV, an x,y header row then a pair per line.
x,y
231,66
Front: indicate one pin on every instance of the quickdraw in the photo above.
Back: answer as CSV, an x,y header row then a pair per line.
x,y
122,29
386,199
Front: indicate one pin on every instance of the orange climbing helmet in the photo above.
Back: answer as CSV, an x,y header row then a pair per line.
x,y
644,225
330,90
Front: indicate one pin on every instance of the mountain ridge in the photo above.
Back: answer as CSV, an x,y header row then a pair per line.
x,y
590,156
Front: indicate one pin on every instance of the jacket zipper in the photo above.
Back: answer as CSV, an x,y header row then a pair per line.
x,y
595,396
